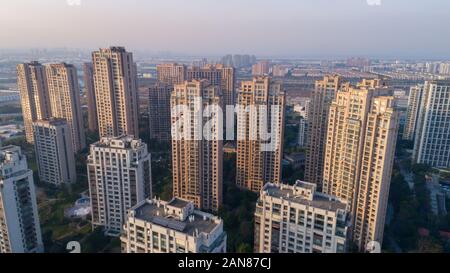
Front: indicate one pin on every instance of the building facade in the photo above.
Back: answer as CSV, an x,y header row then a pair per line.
x,y
262,111
159,112
171,73
262,68
88,78
298,219
119,174
197,158
432,134
54,153
302,132
64,93
20,231
32,83
359,156
324,93
115,85
220,75
414,101
155,226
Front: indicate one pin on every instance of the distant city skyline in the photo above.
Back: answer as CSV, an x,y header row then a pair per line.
x,y
286,28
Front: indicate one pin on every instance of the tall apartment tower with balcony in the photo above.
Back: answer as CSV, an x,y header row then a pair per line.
x,y
223,76
432,134
324,93
88,78
298,219
171,73
115,85
260,123
159,112
262,68
32,83
20,231
412,113
119,175
359,155
197,158
54,153
64,93
155,226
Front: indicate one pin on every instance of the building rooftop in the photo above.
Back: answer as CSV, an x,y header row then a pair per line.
x,y
120,142
178,203
161,213
304,193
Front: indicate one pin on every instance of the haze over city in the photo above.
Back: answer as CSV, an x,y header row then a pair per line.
x,y
286,28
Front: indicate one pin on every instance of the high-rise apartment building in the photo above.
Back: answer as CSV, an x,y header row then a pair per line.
x,y
298,219
115,85
54,153
324,93
64,93
280,70
262,68
88,78
260,125
159,112
20,231
35,101
414,101
155,226
119,174
197,158
171,73
432,133
359,155
220,75
302,132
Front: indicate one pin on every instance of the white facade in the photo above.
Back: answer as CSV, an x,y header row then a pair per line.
x,y
155,226
302,132
119,173
432,135
298,219
19,222
54,151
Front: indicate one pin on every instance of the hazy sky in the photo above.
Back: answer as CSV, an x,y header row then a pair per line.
x,y
396,28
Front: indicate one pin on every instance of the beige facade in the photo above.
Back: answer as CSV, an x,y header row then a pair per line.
x,y
159,112
257,166
196,160
64,93
220,75
88,78
156,226
119,174
324,92
298,219
54,153
115,85
415,98
35,101
359,155
262,68
171,73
